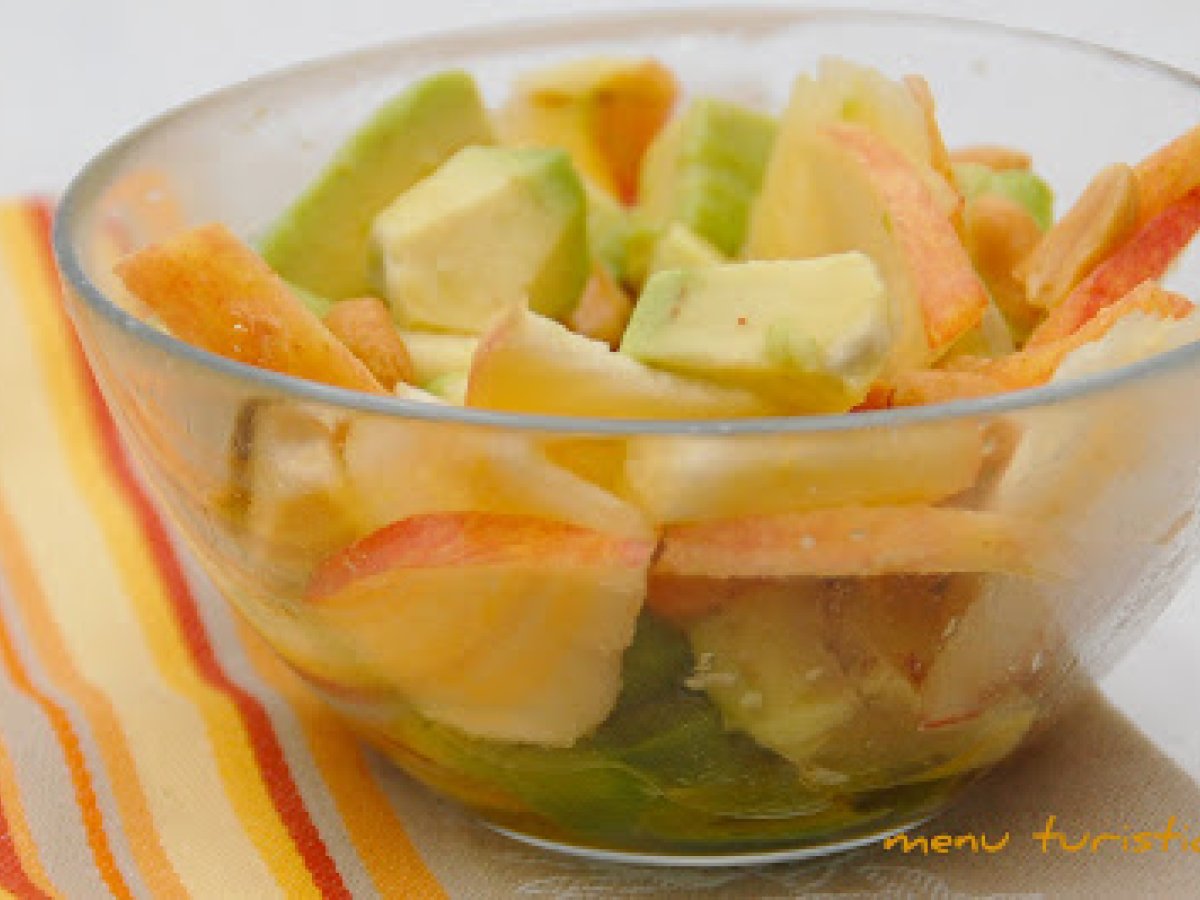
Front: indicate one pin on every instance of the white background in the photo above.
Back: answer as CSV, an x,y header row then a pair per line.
x,y
76,73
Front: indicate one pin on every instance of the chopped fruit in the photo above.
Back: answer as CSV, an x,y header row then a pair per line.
x,y
1037,364
213,291
1001,639
490,228
299,507
704,171
505,627
620,238
1167,175
813,334
701,478
450,386
885,210
939,156
525,353
603,310
991,337
1146,255
434,354
996,158
465,468
604,112
766,665
365,326
921,387
1019,185
789,217
999,233
1096,225
849,542
321,242
681,248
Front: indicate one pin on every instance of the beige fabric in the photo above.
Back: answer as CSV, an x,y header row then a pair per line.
x,y
1093,771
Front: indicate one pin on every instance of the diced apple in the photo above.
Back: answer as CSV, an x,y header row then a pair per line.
x,y
999,233
213,291
921,387
399,469
603,111
885,209
850,542
528,363
1168,174
994,156
365,326
506,627
788,219
434,354
696,478
603,310
1104,215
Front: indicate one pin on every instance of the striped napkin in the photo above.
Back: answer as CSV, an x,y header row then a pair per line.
x,y
151,746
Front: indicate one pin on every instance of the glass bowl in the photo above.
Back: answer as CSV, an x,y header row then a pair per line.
x,y
764,692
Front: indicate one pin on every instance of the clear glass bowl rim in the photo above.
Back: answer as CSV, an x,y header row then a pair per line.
x,y
75,202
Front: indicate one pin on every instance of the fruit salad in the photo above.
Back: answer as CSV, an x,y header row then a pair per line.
x,y
651,639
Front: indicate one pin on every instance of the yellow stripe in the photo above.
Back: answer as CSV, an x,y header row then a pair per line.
x,y
379,836
114,617
18,829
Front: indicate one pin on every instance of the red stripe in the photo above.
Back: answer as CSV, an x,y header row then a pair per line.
x,y
13,877
267,750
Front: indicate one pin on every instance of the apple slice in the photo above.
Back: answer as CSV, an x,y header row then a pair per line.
x,y
1003,638
402,468
506,627
697,478
1036,365
1167,174
1103,216
603,111
788,220
528,363
365,325
880,204
213,291
603,310
1144,256
850,542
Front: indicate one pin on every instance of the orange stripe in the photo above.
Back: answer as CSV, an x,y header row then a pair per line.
x,y
68,741
21,869
268,755
118,762
379,836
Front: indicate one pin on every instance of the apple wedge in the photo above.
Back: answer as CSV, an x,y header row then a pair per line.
x,y
788,220
850,542
528,363
880,204
603,310
702,478
365,325
1168,174
505,627
399,468
1144,256
214,292
603,111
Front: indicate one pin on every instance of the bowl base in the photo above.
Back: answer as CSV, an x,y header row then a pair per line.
x,y
710,860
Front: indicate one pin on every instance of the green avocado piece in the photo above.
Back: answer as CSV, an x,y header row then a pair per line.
x,y
321,242
811,333
493,227
1018,185
681,248
620,238
705,169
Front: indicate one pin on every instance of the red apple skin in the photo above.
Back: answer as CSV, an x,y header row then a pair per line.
x,y
472,539
1143,257
951,296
